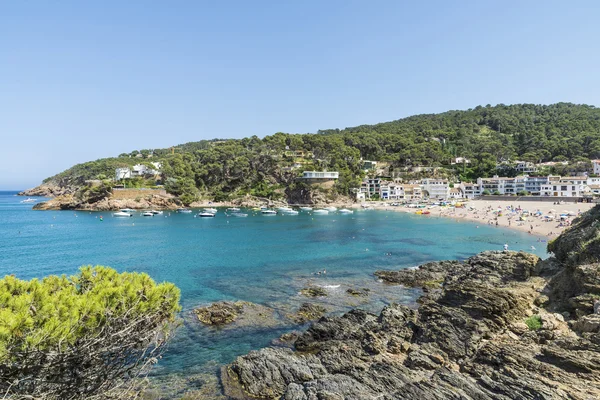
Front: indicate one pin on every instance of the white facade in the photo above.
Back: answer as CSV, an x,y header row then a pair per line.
x,y
122,173
437,188
565,187
526,167
596,166
320,175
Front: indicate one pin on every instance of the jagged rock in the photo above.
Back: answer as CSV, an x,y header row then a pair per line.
x,y
308,312
467,340
313,291
589,323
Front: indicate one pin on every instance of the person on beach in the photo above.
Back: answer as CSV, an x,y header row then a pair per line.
x,y
505,246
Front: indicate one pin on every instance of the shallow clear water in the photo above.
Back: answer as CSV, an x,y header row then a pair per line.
x,y
262,259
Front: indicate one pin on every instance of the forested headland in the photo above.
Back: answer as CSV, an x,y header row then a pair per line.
x,y
222,169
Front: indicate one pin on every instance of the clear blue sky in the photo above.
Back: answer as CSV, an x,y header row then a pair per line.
x,y
86,80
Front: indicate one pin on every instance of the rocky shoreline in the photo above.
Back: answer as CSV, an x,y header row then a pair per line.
x,y
500,325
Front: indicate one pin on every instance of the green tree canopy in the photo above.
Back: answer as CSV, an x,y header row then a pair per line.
x,y
81,336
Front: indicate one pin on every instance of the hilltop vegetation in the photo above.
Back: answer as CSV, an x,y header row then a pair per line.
x,y
263,167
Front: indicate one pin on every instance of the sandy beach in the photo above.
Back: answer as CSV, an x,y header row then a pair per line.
x,y
538,218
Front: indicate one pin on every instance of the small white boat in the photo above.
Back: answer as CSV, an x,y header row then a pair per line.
x,y
210,210
269,212
122,214
147,214
233,209
206,215
239,215
291,212
184,211
346,211
320,212
127,210
331,209
284,209
306,208
28,200
156,212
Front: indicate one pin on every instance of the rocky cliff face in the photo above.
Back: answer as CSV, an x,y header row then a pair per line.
x,y
501,325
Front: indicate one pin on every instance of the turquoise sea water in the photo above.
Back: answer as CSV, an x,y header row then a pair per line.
x,y
261,259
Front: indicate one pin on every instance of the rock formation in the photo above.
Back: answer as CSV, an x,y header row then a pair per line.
x,y
500,325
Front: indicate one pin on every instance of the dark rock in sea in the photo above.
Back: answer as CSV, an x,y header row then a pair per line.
x,y
313,291
218,313
308,312
493,329
238,314
363,292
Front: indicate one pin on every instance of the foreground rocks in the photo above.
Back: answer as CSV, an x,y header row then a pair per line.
x,y
501,325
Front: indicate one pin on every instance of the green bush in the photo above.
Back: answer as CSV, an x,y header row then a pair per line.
x,y
534,322
104,325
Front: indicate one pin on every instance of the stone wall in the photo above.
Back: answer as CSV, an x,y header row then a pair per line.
x,y
124,194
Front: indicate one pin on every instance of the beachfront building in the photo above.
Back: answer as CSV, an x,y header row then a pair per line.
x,y
370,186
122,173
572,186
533,184
436,188
455,193
143,170
470,190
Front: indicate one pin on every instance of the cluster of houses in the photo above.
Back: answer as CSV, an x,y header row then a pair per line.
x,y
547,186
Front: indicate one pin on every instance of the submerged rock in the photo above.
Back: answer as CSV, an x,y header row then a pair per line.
x,y
219,313
313,291
238,314
363,292
308,312
493,330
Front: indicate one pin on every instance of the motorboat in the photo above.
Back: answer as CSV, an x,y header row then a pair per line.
x,y
264,207
147,214
28,200
320,212
287,210
206,215
127,210
184,211
122,214
239,215
269,212
233,209
210,210
346,211
331,209
155,212
256,209
284,209
291,212
306,208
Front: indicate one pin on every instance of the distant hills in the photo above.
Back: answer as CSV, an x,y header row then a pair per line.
x,y
269,166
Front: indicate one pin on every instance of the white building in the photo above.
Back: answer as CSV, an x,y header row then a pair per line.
x,y
526,167
437,188
596,166
470,190
460,160
455,193
573,186
122,173
325,175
